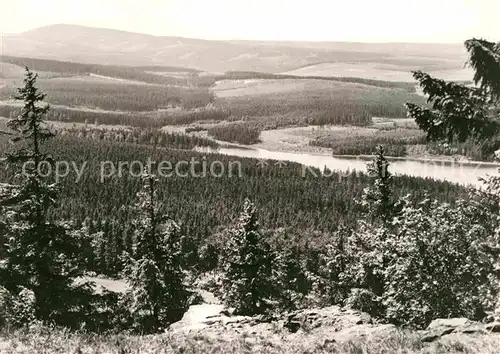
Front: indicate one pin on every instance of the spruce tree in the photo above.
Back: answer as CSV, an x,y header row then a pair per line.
x,y
459,112
157,293
248,267
40,255
378,197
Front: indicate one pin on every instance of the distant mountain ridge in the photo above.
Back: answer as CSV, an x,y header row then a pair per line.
x,y
115,47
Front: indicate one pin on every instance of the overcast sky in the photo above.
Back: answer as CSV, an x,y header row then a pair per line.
x,y
315,20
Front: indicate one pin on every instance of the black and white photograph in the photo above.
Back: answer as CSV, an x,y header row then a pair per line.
x,y
249,177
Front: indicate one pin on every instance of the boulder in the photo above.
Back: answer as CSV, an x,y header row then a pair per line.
x,y
493,327
444,326
334,317
198,317
448,323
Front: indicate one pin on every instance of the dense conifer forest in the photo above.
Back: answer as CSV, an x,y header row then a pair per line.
x,y
305,203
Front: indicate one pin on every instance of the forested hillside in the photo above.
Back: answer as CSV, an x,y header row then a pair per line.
x,y
121,95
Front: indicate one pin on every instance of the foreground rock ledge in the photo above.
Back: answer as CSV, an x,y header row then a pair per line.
x,y
322,326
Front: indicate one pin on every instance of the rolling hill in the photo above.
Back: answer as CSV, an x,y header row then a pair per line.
x,y
113,47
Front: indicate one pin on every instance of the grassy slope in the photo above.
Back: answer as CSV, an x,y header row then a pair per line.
x,y
49,341
245,75
250,87
384,70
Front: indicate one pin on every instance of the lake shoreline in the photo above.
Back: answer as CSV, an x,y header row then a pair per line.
x,y
464,173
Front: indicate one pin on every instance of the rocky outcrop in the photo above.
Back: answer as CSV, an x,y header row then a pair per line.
x,y
335,324
198,317
334,317
213,319
444,326
320,327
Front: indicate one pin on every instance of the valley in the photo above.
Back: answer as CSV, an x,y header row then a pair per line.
x,y
300,118
332,104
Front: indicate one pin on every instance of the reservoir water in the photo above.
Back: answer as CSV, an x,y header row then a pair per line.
x,y
453,171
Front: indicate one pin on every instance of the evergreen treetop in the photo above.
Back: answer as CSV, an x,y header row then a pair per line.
x,y
459,112
154,271
40,255
378,196
248,266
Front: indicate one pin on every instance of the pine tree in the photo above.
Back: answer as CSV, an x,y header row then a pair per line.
x,y
378,197
248,267
158,295
40,256
460,112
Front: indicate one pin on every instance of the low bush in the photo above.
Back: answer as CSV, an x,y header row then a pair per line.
x,y
16,310
440,266
432,261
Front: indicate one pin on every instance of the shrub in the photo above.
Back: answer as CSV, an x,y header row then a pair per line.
x,y
433,261
440,266
16,310
428,261
4,306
